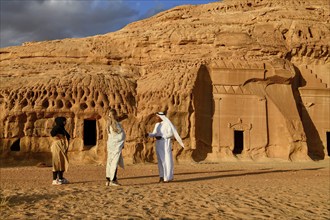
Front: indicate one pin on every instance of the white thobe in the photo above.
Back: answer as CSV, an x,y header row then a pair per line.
x,y
115,145
164,150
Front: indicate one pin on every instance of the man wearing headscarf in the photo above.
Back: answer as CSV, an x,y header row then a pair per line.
x,y
59,150
163,132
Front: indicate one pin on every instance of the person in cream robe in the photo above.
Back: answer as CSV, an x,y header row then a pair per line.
x,y
59,149
115,144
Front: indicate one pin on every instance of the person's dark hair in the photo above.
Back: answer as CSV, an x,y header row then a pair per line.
x,y
113,111
59,128
59,121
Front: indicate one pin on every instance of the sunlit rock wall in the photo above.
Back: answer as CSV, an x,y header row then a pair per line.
x,y
241,80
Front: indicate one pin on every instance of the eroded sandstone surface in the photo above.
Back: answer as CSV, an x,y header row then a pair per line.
x,y
241,80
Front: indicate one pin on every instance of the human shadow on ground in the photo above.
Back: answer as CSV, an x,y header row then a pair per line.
x,y
14,200
177,174
246,173
261,171
243,174
85,181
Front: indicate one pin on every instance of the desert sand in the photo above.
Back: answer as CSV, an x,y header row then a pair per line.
x,y
228,190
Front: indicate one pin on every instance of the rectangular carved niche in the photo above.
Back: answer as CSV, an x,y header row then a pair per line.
x,y
238,142
90,133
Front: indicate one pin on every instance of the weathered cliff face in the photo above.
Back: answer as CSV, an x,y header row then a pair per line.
x,y
237,78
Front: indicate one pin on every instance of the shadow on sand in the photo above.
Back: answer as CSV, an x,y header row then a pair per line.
x,y
242,173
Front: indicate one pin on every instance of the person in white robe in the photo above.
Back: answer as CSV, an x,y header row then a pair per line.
x,y
163,132
115,145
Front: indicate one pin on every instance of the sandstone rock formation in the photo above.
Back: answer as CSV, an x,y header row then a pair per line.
x,y
241,80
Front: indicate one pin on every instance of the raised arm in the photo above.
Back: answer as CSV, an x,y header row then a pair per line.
x,y
154,132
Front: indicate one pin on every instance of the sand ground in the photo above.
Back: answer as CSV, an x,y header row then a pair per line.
x,y
245,190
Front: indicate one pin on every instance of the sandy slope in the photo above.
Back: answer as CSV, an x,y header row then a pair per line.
x,y
280,190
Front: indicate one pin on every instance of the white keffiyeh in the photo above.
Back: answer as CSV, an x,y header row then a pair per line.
x,y
175,132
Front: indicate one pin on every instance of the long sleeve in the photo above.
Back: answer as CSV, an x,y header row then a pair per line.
x,y
54,131
60,130
120,136
119,128
154,132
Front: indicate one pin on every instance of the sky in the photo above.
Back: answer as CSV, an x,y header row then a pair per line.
x,y
38,20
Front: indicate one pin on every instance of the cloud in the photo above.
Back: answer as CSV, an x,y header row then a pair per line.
x,y
38,20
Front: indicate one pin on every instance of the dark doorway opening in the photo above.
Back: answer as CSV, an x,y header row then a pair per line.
x,y
89,132
238,142
16,145
328,142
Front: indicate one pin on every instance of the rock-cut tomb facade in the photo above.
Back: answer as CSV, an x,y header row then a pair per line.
x,y
241,80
